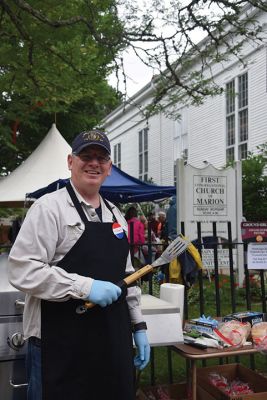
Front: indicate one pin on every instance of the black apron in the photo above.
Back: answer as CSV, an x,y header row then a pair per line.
x,y
89,356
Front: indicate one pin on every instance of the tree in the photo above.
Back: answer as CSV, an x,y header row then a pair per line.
x,y
166,37
53,56
78,116
54,60
254,185
56,54
74,39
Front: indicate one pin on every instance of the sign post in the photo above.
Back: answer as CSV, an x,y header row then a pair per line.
x,y
210,195
255,235
257,255
254,231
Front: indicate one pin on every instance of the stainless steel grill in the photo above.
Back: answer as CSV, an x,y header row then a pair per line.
x,y
13,385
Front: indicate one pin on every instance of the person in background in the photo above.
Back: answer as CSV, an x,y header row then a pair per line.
x,y
171,219
154,223
72,247
136,227
143,219
162,234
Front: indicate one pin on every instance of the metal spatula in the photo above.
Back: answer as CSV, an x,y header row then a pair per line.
x,y
177,247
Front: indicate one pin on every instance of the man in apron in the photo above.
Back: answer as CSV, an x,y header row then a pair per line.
x,y
71,248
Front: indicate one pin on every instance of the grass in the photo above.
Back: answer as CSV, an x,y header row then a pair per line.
x,y
178,362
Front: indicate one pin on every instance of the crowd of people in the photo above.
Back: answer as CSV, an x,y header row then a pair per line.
x,y
155,227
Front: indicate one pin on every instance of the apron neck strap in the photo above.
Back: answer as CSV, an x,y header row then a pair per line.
x,y
79,208
110,209
76,203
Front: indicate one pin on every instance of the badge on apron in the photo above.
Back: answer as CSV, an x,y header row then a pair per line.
x,y
117,230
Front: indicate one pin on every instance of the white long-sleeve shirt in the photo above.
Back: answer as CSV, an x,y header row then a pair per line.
x,y
51,227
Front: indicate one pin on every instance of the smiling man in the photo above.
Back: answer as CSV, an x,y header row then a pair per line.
x,y
73,247
90,164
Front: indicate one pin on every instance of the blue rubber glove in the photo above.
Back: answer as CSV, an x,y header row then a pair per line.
x,y
143,348
104,293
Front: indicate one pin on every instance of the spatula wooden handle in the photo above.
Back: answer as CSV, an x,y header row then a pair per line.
x,y
128,280
138,274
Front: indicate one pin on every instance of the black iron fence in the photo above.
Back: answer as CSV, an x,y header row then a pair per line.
x,y
218,290
212,272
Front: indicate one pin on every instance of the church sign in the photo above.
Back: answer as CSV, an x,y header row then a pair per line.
x,y
210,195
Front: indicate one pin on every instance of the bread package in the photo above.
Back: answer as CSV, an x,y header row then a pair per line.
x,y
259,334
235,333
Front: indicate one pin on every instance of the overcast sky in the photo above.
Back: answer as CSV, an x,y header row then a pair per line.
x,y
138,74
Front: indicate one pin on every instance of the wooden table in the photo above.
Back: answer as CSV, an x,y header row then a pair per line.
x,y
193,354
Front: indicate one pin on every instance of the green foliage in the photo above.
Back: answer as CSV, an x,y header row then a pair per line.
x,y
54,60
254,184
83,114
57,54
255,288
12,212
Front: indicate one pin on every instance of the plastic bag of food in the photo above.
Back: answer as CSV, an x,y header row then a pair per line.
x,y
231,388
234,333
259,335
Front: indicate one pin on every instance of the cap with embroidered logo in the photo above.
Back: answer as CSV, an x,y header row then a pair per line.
x,y
89,138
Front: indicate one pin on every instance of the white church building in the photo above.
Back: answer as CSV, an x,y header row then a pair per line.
x,y
223,128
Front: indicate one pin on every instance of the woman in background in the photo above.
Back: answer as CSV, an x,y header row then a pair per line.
x,y
136,236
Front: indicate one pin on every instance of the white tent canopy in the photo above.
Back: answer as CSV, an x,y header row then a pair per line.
x,y
46,164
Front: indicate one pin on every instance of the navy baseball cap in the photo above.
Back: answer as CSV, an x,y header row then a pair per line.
x,y
89,138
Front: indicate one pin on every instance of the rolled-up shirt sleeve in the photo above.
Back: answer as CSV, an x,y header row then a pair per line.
x,y
133,297
32,266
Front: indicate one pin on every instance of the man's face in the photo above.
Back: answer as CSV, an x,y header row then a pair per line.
x,y
90,167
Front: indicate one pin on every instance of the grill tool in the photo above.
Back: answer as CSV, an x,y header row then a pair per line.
x,y
175,248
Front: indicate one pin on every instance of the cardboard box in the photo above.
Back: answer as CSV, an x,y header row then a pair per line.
x,y
176,391
198,328
203,395
210,324
252,317
257,382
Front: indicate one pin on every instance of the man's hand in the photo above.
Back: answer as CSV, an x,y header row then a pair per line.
x,y
104,293
143,348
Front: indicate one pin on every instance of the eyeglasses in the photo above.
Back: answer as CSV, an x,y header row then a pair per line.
x,y
91,157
